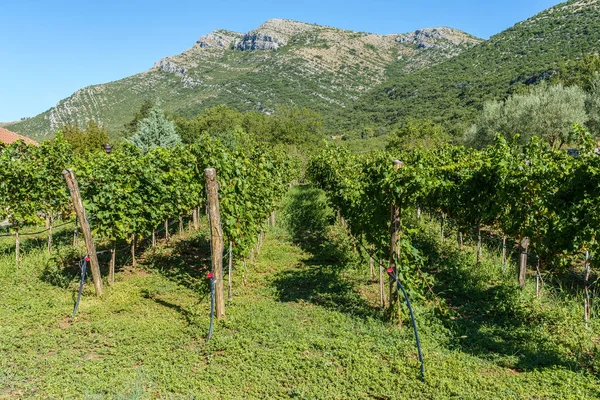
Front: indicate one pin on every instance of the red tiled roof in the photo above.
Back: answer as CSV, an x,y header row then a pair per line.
x,y
8,137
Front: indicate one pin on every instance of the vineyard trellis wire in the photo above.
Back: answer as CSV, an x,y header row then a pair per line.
x,y
127,194
536,192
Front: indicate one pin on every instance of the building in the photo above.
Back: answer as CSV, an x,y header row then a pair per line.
x,y
8,137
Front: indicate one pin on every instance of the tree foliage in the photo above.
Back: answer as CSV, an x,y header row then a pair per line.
x,y
131,127
155,131
418,134
296,127
91,139
548,112
453,92
592,106
538,192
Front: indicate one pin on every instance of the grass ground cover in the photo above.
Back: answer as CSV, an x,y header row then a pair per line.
x,y
306,325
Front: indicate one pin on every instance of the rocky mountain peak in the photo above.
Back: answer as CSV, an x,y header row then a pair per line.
x,y
331,66
436,38
272,34
218,39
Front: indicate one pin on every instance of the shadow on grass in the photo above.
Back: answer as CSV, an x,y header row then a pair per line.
x,y
62,236
190,317
186,263
490,319
325,287
320,281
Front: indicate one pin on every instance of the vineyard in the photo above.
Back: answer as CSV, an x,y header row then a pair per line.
x,y
129,194
541,198
314,313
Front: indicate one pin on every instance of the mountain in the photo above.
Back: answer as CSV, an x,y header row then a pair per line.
x,y
281,62
455,90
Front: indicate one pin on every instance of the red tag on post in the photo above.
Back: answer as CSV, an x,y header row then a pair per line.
x,y
210,275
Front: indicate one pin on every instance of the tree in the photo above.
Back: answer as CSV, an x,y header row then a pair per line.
x,y
580,72
88,140
548,112
592,105
296,126
132,126
213,121
155,131
418,134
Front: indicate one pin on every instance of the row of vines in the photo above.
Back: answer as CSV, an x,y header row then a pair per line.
x,y
128,194
534,192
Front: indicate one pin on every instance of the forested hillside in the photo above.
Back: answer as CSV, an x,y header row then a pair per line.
x,y
454,91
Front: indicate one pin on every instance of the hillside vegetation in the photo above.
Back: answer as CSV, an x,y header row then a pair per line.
x,y
454,91
280,63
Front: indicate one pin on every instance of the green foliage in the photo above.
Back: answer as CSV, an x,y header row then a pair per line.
x,y
31,181
18,182
91,139
453,92
541,193
50,159
579,72
213,121
155,131
418,134
131,127
592,106
362,189
295,127
252,181
300,322
548,112
128,193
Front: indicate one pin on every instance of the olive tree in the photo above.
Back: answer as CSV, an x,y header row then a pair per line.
x,y
549,112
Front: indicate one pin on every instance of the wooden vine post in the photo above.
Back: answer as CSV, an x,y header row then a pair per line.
x,y
111,267
479,246
17,246
216,240
229,275
381,286
133,260
394,248
372,263
503,251
195,213
523,261
85,228
49,226
75,233
587,305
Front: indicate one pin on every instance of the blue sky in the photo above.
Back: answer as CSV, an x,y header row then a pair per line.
x,y
49,49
